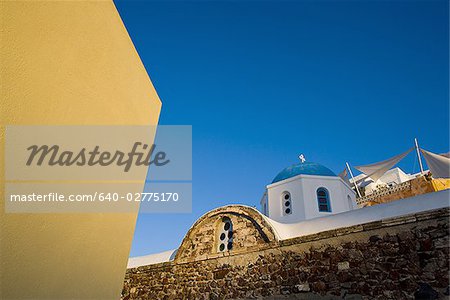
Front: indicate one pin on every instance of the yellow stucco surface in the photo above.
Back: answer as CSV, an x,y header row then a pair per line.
x,y
441,184
67,63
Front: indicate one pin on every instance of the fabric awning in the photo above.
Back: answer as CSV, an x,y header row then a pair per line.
x,y
439,165
376,170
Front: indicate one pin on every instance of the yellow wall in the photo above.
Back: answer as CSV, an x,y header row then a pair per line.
x,y
441,184
67,63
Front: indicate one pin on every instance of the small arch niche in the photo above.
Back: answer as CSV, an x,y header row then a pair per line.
x,y
225,235
350,202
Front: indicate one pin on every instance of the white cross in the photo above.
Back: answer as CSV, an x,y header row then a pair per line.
x,y
302,158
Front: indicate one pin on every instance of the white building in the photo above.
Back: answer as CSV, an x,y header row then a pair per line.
x,y
286,231
391,178
306,191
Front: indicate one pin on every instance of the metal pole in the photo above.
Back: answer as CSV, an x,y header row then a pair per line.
x,y
353,178
418,155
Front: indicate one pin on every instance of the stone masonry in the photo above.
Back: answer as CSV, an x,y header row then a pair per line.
x,y
400,258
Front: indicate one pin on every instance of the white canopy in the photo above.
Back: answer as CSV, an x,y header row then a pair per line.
x,y
439,165
376,170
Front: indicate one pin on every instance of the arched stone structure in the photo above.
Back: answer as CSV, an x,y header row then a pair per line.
x,y
250,230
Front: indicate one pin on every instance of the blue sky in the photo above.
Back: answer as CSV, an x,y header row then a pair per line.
x,y
262,82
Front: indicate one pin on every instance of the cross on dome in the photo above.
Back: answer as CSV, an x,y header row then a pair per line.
x,y
302,158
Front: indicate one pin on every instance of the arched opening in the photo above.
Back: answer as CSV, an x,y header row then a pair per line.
x,y
225,235
323,200
350,202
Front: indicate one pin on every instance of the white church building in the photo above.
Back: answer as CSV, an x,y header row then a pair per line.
x,y
303,199
305,191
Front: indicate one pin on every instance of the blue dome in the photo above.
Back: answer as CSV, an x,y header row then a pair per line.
x,y
306,168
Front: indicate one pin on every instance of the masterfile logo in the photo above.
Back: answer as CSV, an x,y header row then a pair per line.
x,y
98,168
52,155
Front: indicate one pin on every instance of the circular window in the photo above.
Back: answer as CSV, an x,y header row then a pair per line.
x,y
222,247
227,226
286,203
230,246
230,234
222,236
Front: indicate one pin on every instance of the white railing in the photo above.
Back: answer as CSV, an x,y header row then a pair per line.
x,y
382,192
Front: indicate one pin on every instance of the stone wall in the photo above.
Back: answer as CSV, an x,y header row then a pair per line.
x,y
390,259
251,233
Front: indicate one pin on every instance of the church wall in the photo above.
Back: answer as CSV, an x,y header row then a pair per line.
x,y
275,208
382,259
338,198
350,195
250,232
304,199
